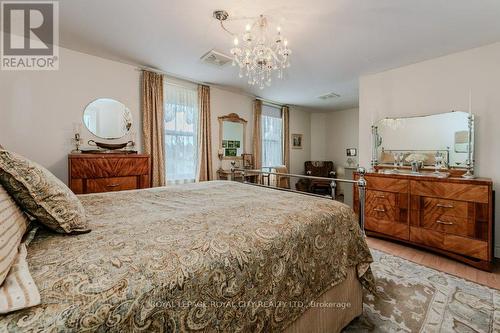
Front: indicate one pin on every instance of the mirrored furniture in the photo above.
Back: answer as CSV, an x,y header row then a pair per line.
x,y
107,118
440,143
232,133
422,190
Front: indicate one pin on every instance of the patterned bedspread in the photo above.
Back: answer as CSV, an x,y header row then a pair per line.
x,y
214,256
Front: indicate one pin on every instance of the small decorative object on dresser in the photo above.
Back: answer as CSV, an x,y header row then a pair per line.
x,y
93,173
247,161
77,139
452,216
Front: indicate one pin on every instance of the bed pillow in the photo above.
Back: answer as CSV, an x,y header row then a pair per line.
x,y
13,225
19,289
41,194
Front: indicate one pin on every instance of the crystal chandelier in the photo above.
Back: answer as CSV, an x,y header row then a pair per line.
x,y
257,52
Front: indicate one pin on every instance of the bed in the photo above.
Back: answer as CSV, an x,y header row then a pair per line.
x,y
213,256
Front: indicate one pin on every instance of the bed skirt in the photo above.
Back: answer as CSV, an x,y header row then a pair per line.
x,y
329,315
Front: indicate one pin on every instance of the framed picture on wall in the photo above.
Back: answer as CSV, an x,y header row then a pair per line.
x,y
297,141
351,152
231,152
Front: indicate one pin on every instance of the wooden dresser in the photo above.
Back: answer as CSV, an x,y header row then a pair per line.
x,y
451,216
94,173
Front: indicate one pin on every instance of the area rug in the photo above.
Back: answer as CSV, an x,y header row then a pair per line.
x,y
414,298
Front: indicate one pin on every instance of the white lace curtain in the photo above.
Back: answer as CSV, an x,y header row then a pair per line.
x,y
181,129
272,136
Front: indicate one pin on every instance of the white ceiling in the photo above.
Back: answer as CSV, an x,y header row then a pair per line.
x,y
333,41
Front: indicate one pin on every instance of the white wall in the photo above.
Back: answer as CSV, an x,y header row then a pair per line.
x,y
319,136
436,86
342,133
300,123
38,108
332,133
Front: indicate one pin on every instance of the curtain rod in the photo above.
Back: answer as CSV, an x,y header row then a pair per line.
x,y
270,103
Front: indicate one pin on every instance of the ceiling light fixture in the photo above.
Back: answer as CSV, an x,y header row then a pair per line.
x,y
260,53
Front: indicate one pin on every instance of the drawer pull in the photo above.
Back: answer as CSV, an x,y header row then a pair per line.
x,y
444,206
380,196
113,185
444,222
379,209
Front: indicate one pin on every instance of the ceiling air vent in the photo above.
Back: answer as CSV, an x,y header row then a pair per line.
x,y
215,58
329,95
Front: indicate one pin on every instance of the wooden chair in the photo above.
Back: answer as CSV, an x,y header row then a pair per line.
x,y
280,181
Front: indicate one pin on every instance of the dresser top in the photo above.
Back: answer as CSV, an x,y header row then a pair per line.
x,y
107,155
475,181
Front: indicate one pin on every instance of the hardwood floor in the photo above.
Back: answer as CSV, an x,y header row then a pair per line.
x,y
438,262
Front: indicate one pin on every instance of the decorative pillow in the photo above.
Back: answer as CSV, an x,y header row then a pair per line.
x,y
18,291
41,194
13,225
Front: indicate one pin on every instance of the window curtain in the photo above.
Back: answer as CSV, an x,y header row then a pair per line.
x,y
272,136
285,113
257,139
152,125
204,135
181,133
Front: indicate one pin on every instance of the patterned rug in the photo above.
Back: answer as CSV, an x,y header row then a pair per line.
x,y
414,298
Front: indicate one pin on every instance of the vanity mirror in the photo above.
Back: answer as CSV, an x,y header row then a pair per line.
x,y
107,118
440,141
232,132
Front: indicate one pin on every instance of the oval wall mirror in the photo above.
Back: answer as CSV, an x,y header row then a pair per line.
x,y
107,118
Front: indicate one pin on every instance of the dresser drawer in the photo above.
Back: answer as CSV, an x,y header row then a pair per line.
x,y
434,206
447,223
398,230
381,197
381,212
104,167
112,184
386,184
456,244
454,191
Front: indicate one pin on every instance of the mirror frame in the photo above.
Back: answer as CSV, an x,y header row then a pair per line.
x,y
375,140
100,137
232,117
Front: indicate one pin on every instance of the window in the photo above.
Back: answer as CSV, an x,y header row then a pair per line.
x,y
272,136
181,133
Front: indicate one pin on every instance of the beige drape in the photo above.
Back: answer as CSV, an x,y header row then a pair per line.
x,y
204,135
257,137
285,114
152,125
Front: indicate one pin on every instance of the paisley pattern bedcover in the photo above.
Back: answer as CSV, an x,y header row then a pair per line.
x,y
215,256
